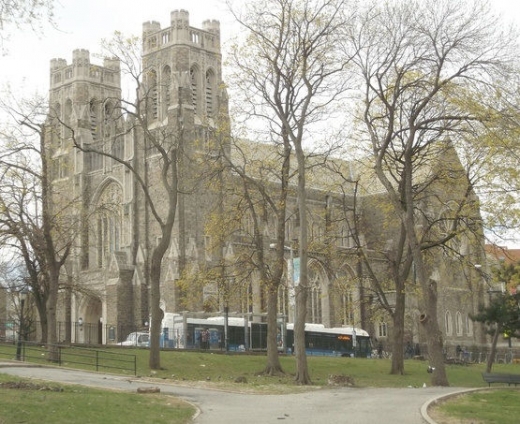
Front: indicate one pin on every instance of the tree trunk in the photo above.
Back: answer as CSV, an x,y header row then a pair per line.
x,y
493,352
53,265
273,366
398,332
302,370
155,309
434,339
42,314
52,300
428,286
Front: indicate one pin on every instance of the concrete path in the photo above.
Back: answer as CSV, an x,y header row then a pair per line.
x,y
330,405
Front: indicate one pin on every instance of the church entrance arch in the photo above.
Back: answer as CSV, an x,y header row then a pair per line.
x,y
89,325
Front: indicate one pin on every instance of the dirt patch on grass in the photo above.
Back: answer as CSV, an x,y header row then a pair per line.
x,y
23,385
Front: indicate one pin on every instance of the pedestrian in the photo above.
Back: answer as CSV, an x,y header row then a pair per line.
x,y
417,349
409,350
206,336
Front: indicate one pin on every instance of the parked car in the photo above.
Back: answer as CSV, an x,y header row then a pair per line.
x,y
138,339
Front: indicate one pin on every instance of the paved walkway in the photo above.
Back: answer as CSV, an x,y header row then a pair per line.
x,y
331,405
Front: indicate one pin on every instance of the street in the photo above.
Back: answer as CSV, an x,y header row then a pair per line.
x,y
327,405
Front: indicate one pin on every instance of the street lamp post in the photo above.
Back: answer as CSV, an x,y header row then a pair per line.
x,y
20,327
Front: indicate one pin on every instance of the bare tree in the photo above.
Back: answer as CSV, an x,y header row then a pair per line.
x,y
287,67
23,13
30,221
261,198
420,63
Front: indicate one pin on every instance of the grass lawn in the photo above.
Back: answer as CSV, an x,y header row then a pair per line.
x,y
215,367
27,401
222,371
495,406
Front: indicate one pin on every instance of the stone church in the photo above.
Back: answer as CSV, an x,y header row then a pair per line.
x,y
106,283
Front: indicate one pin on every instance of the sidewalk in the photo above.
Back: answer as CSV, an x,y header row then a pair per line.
x,y
352,405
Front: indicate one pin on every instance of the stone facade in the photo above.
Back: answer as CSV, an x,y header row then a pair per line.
x,y
184,100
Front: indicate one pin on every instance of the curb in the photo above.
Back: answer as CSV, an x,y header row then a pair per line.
x,y
439,399
16,364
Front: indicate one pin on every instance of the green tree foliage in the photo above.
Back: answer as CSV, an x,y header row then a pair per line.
x,y
501,316
509,274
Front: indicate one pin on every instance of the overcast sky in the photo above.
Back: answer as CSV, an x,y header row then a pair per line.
x,y
83,24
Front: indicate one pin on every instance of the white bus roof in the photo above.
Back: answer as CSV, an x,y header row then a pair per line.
x,y
333,330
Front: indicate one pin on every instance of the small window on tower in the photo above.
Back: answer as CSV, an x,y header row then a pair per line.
x,y
165,37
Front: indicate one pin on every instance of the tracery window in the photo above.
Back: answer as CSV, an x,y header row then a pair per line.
x,y
109,223
448,324
314,307
166,86
382,329
458,324
152,94
67,118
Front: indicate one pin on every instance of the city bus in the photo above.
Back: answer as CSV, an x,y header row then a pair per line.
x,y
209,334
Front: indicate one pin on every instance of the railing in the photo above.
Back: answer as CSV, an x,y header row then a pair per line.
x,y
86,358
477,357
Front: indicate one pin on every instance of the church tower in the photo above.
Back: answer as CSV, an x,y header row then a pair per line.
x,y
182,97
84,101
185,98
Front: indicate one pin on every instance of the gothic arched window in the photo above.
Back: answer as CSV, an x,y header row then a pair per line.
x,y
448,324
194,80
152,95
108,110
314,307
166,89
67,118
458,324
94,118
57,133
109,222
210,88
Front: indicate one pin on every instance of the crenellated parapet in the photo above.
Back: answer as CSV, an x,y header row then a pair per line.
x,y
81,68
181,33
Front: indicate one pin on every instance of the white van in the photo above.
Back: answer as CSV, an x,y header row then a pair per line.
x,y
138,339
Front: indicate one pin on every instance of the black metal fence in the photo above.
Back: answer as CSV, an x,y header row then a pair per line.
x,y
79,357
